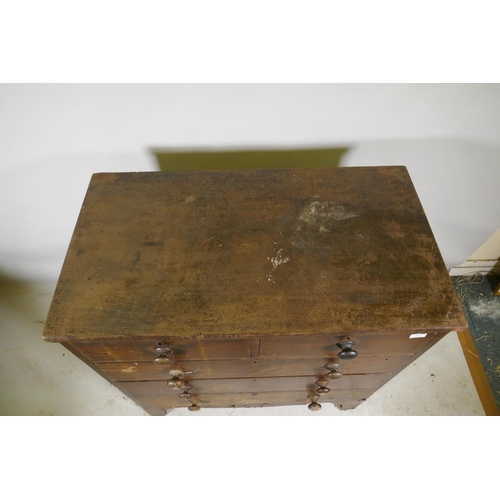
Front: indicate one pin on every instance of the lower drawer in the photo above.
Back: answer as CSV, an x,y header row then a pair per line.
x,y
252,385
345,399
252,367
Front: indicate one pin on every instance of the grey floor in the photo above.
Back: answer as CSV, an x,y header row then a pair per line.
x,y
38,378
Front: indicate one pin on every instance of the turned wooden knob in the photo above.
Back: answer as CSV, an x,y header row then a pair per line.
x,y
176,383
176,372
194,408
314,406
333,375
164,351
347,351
162,361
163,354
322,389
334,365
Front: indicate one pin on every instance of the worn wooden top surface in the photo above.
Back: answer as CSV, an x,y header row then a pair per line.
x,y
269,252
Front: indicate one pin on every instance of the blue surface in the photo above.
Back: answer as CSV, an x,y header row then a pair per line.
x,y
482,310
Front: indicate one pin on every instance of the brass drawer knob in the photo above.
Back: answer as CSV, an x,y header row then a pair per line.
x,y
314,406
186,395
322,389
162,354
333,366
194,408
176,383
164,351
162,361
347,351
177,372
333,375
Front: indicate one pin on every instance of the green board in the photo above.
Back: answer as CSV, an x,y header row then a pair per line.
x,y
182,160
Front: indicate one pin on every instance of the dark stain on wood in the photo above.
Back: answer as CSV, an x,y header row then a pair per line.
x,y
251,252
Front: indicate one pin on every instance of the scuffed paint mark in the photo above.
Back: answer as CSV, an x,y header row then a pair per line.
x,y
276,261
319,217
320,214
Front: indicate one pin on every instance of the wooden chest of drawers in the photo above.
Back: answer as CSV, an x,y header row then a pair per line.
x,y
252,288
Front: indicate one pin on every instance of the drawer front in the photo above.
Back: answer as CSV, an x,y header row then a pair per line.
x,y
325,345
347,399
124,351
252,367
253,385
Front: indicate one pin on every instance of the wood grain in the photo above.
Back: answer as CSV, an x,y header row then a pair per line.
x,y
317,345
141,350
275,384
270,252
262,367
348,399
476,369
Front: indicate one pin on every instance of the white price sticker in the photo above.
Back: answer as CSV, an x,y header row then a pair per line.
x,y
418,335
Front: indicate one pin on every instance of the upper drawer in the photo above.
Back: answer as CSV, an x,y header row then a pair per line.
x,y
145,350
326,345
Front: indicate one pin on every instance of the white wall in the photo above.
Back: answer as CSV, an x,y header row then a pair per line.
x,y
490,249
53,137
